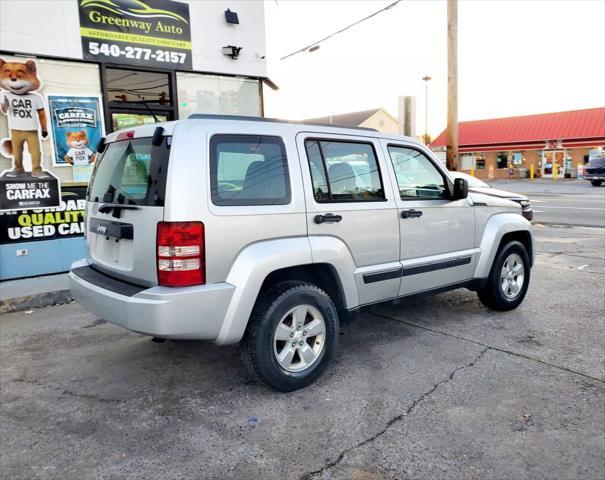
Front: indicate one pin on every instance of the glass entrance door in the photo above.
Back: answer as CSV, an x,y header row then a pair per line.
x,y
549,158
137,96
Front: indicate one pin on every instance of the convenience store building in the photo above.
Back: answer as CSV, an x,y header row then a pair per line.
x,y
497,147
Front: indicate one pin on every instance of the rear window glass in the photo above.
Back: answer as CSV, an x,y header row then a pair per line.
x,y
248,170
131,172
597,162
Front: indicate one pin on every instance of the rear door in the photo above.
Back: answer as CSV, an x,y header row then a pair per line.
x,y
349,196
125,203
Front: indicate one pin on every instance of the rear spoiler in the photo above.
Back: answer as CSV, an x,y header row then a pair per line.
x,y
156,140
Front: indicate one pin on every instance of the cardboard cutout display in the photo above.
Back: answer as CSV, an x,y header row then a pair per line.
x,y
27,123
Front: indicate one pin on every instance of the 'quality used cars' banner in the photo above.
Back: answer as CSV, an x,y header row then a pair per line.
x,y
46,224
154,33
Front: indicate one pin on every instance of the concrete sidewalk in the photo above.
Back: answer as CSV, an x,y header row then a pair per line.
x,y
34,292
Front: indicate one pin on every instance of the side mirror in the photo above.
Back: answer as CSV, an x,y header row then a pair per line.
x,y
460,189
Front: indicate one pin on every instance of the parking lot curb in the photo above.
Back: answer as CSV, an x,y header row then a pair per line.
x,y
37,300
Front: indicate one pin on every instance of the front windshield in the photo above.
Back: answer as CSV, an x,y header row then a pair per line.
x,y
597,162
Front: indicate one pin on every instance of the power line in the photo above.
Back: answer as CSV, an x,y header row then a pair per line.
x,y
316,44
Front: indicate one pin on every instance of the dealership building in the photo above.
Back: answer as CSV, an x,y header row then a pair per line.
x,y
106,65
499,147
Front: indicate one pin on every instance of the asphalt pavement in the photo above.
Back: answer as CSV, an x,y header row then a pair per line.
x,y
439,388
561,202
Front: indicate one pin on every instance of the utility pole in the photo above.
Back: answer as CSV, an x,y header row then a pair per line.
x,y
426,79
452,86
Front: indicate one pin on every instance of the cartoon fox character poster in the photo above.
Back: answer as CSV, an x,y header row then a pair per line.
x,y
24,107
78,153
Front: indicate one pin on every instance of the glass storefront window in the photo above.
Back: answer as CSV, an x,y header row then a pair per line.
x,y
137,86
472,161
199,93
502,160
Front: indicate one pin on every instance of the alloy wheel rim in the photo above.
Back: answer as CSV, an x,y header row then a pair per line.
x,y
299,338
512,276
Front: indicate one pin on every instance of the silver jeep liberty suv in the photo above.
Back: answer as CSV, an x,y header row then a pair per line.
x,y
269,233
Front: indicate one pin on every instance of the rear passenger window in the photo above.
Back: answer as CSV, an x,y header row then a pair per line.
x,y
248,170
344,171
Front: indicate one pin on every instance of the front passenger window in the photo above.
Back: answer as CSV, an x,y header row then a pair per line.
x,y
417,177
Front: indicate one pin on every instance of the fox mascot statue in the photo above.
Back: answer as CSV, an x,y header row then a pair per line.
x,y
26,115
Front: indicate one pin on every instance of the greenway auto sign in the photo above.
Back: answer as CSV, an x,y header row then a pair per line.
x,y
154,33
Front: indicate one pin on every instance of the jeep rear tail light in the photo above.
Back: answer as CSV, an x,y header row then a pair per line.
x,y
180,254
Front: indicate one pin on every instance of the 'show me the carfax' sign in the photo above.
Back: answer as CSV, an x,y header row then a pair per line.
x,y
154,33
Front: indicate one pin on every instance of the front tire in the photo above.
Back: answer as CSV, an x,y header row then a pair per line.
x,y
508,280
291,336
596,183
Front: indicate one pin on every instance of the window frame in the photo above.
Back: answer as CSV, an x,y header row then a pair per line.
x,y
213,174
446,180
508,161
324,166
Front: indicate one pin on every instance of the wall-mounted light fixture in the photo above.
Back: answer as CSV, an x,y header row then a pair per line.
x,y
231,17
231,51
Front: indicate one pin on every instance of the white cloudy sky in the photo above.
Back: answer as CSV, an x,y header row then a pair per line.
x,y
515,57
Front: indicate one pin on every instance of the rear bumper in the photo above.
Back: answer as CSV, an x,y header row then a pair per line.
x,y
180,313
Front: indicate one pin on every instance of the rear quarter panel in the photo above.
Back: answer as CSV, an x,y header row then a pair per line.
x,y
228,229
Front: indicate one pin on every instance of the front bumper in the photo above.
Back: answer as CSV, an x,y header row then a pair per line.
x,y
594,176
528,213
180,313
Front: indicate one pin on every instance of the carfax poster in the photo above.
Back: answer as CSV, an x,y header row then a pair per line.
x,y
76,128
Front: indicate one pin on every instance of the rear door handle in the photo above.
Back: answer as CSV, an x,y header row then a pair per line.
x,y
327,218
411,213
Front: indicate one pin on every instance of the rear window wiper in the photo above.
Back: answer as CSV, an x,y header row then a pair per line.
x,y
106,207
116,208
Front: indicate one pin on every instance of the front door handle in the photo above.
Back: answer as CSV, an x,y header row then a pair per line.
x,y
411,213
327,218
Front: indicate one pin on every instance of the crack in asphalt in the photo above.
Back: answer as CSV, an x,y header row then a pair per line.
x,y
553,254
491,347
394,420
64,391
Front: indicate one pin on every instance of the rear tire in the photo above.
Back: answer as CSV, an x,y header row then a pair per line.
x,y
596,183
508,279
291,336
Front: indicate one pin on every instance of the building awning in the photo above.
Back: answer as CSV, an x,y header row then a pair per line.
x,y
581,127
269,83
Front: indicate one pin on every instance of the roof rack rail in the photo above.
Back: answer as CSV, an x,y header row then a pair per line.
x,y
210,116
